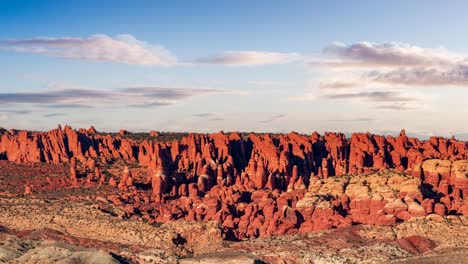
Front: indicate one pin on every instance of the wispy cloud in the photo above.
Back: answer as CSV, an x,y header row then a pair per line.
x,y
16,112
69,105
121,49
250,58
375,96
50,96
453,75
333,85
54,115
361,119
396,106
273,118
267,83
149,105
208,116
395,54
143,97
203,114
167,93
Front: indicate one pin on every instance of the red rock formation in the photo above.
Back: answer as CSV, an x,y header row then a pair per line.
x,y
73,173
112,182
159,182
262,184
127,180
27,190
363,152
123,132
261,176
91,130
91,164
100,175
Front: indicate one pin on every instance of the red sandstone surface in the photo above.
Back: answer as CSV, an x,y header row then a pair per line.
x,y
254,185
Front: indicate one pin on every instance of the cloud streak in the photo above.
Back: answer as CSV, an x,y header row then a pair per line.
x,y
141,97
273,118
17,112
120,49
396,106
250,58
53,115
455,76
357,120
395,54
375,96
203,114
61,96
337,85
208,116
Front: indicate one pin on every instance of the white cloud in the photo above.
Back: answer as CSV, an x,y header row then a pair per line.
x,y
120,49
395,64
3,117
251,58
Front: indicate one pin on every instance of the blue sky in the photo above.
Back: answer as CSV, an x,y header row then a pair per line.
x,y
205,66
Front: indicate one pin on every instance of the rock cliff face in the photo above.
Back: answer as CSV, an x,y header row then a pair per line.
x,y
262,184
